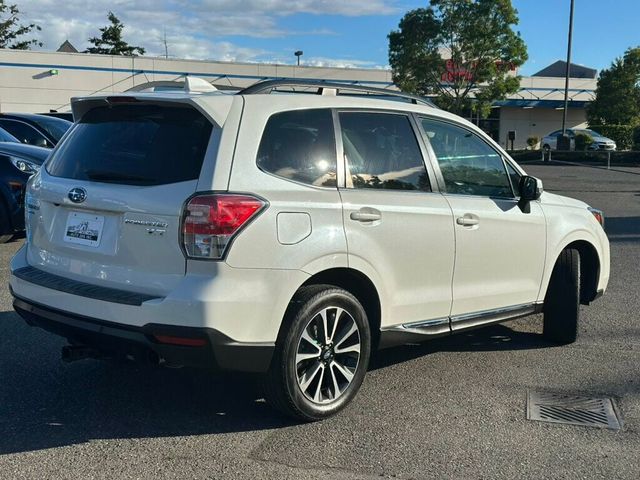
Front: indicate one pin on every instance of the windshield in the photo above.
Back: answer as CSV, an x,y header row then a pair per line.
x,y
56,127
7,137
134,145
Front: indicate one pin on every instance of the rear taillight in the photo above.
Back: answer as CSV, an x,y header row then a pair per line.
x,y
598,214
210,221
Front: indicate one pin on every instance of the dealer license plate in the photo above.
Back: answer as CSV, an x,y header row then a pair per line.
x,y
84,229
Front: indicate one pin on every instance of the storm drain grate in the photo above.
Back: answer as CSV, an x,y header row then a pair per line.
x,y
572,410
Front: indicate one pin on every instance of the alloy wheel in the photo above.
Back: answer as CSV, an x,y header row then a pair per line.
x,y
327,355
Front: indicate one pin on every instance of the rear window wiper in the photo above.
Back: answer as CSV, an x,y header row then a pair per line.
x,y
106,176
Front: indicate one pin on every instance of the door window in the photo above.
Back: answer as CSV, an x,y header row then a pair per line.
x,y
25,133
300,146
468,164
381,152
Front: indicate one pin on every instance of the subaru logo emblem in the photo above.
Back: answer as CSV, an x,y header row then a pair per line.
x,y
77,195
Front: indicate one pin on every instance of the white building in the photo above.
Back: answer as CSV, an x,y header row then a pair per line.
x,y
42,81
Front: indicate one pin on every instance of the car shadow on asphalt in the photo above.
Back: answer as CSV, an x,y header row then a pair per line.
x,y
45,403
499,337
623,229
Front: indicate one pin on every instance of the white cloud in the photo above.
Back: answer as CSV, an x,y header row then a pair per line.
x,y
340,63
352,8
194,29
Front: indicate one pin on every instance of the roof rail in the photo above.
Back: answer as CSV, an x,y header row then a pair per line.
x,y
331,88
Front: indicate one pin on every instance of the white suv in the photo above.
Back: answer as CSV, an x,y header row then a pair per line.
x,y
291,234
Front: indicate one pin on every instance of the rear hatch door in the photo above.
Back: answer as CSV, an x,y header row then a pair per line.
x,y
106,208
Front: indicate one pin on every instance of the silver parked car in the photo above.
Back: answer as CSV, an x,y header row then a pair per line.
x,y
600,142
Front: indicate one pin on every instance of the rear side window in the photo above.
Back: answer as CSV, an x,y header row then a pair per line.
x,y
300,145
134,145
381,152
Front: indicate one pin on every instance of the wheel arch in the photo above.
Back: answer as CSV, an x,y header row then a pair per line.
x,y
356,283
589,268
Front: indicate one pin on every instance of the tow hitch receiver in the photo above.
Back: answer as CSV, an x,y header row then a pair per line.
x,y
72,353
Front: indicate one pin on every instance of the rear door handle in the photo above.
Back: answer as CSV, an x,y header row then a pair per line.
x,y
467,221
366,215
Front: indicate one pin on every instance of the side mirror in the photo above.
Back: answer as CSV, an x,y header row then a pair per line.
x,y
40,142
530,188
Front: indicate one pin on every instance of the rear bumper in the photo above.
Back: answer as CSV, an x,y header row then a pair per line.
x,y
246,305
214,350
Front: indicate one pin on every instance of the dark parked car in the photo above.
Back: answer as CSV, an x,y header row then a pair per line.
x,y
17,163
33,129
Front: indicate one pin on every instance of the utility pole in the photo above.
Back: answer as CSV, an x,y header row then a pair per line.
x,y
166,45
567,73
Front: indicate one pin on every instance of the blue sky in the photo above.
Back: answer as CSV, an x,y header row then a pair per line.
x,y
353,34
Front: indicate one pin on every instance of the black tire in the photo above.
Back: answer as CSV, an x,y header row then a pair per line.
x,y
5,223
282,384
562,302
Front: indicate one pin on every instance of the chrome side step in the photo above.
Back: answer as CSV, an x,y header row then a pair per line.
x,y
428,327
464,322
417,332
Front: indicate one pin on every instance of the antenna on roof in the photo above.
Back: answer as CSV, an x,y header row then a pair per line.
x,y
198,85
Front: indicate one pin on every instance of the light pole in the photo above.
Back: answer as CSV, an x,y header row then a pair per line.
x,y
298,53
567,73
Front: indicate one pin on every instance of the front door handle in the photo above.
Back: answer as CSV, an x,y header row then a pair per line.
x,y
366,215
467,221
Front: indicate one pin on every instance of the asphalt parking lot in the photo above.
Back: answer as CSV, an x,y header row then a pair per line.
x,y
451,408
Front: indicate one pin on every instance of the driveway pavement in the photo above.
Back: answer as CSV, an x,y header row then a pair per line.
x,y
451,408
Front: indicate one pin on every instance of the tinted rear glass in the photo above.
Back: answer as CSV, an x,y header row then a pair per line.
x,y
56,127
134,145
300,146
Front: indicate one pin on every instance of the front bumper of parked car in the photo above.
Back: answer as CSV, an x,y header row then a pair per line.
x,y
603,146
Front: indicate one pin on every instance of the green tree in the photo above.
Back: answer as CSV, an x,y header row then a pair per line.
x,y
110,41
12,31
456,50
617,99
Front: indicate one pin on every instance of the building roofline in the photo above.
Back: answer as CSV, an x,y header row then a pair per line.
x,y
193,60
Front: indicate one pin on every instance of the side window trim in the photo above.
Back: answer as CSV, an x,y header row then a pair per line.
x,y
415,127
433,180
340,160
510,163
435,158
431,157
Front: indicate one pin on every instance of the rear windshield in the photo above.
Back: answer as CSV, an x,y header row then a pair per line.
x,y
134,145
56,127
